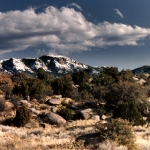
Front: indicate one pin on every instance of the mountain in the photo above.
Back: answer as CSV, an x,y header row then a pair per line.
x,y
54,65
143,69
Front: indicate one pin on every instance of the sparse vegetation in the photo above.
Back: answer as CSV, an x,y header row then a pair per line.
x,y
66,113
109,93
23,116
118,130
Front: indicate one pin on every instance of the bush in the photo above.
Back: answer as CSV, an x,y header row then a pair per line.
x,y
118,130
130,112
66,113
23,116
2,104
15,100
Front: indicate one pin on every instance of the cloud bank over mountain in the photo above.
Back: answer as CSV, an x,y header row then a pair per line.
x,y
63,30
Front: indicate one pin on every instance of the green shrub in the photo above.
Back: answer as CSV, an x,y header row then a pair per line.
x,y
118,130
23,116
66,113
130,112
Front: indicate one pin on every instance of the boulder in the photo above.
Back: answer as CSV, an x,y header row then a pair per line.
x,y
34,111
55,119
96,117
8,113
8,105
24,102
87,113
32,124
141,81
54,109
103,117
54,101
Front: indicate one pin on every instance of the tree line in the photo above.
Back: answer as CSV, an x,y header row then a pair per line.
x,y
122,95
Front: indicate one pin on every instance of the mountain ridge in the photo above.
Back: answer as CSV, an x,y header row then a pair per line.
x,y
140,70
55,65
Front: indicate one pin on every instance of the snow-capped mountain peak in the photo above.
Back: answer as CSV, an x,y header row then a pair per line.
x,y
55,65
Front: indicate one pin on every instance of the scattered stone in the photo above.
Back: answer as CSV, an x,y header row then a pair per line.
x,y
8,113
103,117
54,109
53,101
34,101
32,124
8,105
87,113
103,122
141,81
33,110
96,117
24,102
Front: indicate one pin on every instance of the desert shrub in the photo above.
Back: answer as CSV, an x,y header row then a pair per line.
x,y
101,110
23,116
144,108
15,100
45,77
130,112
7,89
62,85
74,94
126,75
2,104
66,113
32,87
124,92
118,130
80,77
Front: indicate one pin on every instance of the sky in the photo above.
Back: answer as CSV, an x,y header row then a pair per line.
x,y
95,32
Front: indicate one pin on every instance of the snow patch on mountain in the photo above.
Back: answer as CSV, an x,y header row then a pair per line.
x,y
19,65
39,64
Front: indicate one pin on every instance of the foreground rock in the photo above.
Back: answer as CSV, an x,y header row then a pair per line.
x,y
54,101
87,113
54,119
8,105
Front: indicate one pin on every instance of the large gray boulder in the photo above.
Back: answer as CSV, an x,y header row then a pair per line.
x,y
54,119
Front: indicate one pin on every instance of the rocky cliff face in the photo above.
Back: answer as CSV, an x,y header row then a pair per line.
x,y
54,65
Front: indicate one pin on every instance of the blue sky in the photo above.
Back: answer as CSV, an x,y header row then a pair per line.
x,y
95,32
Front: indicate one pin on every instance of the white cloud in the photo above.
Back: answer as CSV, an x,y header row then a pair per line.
x,y
62,31
119,13
75,5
